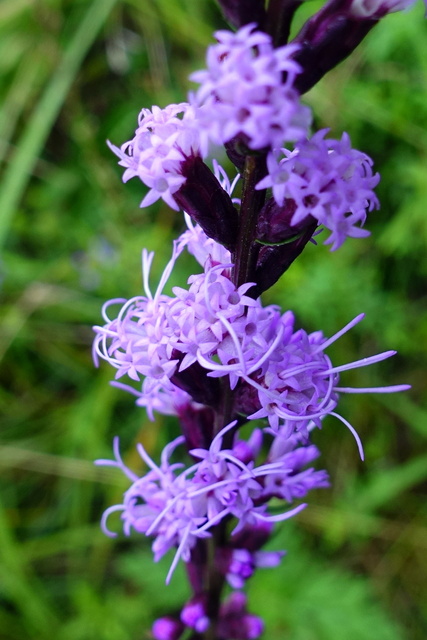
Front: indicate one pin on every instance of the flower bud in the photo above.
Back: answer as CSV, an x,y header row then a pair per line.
x,y
274,222
203,198
274,261
241,12
197,425
326,39
194,614
235,622
167,628
195,382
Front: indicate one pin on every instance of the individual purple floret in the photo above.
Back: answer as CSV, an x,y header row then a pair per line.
x,y
194,614
297,482
328,180
167,628
238,565
247,90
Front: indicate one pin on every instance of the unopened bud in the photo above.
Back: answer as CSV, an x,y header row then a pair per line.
x,y
203,198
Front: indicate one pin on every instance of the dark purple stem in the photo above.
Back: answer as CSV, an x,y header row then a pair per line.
x,y
245,256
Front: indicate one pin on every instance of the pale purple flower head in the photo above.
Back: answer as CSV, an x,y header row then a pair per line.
x,y
247,90
178,505
279,373
162,141
328,180
158,505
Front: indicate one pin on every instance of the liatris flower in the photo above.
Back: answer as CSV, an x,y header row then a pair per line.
x,y
179,508
165,154
162,142
247,90
211,353
277,373
327,180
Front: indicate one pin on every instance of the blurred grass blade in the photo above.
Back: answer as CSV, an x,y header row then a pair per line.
x,y
18,585
16,101
46,111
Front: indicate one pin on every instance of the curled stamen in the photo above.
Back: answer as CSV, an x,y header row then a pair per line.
x,y
353,431
147,260
148,461
177,250
105,515
118,462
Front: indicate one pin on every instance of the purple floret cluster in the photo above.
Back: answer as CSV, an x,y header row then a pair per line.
x,y
245,383
247,91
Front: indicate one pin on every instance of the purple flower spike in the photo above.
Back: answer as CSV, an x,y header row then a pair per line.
x,y
242,92
208,351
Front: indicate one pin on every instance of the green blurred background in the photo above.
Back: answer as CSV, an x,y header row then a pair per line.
x,y
72,74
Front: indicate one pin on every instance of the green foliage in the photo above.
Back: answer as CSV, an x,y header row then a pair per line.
x,y
313,600
72,75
